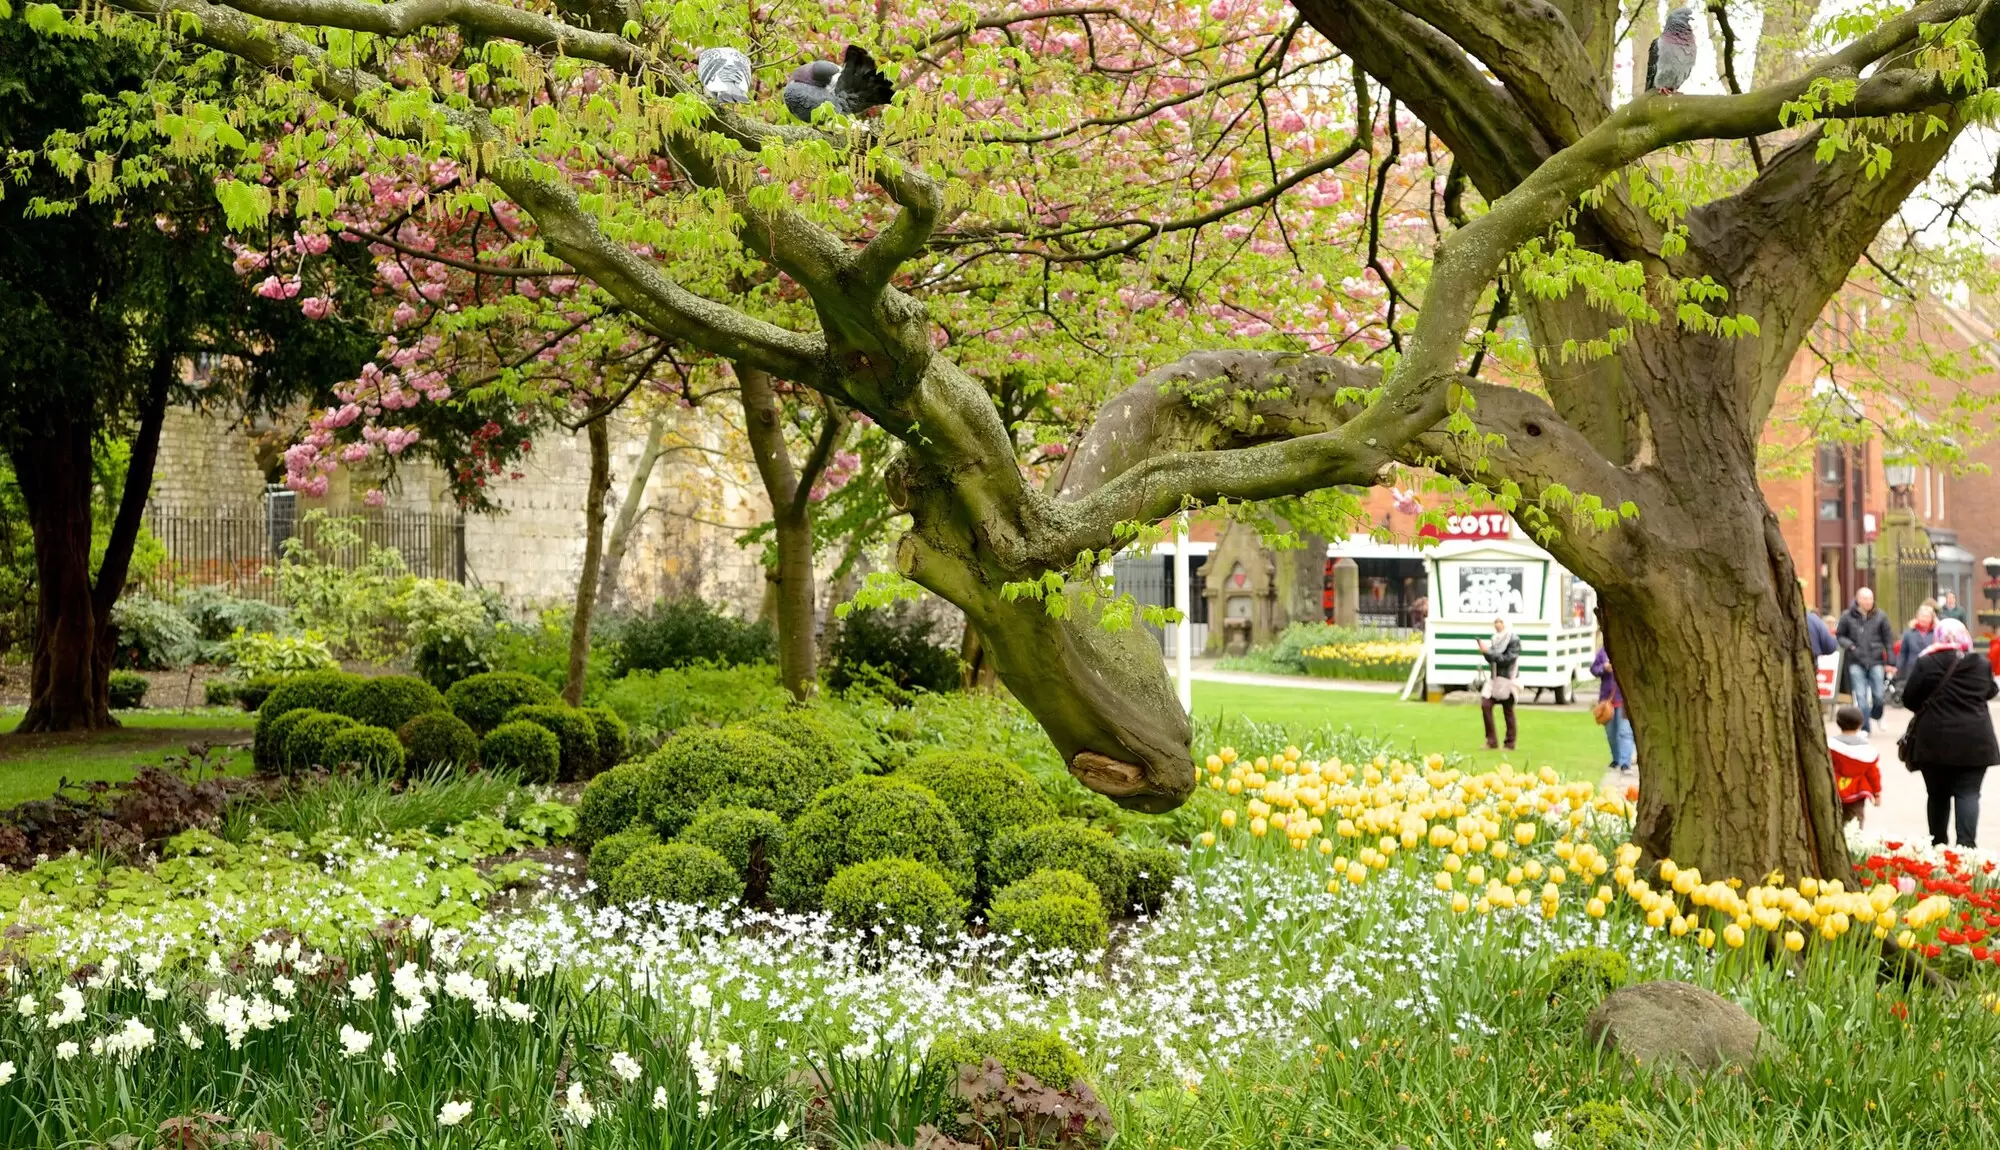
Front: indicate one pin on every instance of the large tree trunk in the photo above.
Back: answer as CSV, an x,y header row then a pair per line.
x,y
626,524
792,583
593,550
75,641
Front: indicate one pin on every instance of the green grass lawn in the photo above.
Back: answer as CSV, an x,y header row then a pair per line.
x,y
1568,740
32,765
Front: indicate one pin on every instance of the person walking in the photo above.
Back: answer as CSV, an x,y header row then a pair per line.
x,y
1610,711
1951,610
1865,636
1915,641
1819,637
1502,653
1950,741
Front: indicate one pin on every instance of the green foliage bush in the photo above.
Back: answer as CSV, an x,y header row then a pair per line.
x,y
251,654
869,818
658,703
612,736
219,692
438,739
734,766
127,690
891,645
216,614
611,802
1584,975
1052,910
390,701
986,794
273,740
820,734
484,700
572,728
1603,1126
317,690
374,748
682,632
1153,871
310,742
676,872
1018,1049
611,852
250,693
153,634
525,748
750,839
1021,851
894,894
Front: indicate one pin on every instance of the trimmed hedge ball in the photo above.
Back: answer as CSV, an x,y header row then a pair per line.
x,y
611,802
1153,872
127,690
314,690
814,732
276,735
894,894
1052,910
611,852
1018,1049
572,728
1021,851
438,739
734,766
677,873
612,736
371,748
308,744
524,748
986,794
869,818
390,701
251,693
750,839
483,700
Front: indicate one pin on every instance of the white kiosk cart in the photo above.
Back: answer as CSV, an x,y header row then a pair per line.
x,y
1473,582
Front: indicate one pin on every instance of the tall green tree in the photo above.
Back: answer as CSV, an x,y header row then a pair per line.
x,y
112,309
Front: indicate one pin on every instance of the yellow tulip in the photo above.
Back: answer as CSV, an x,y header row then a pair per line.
x,y
1258,826
1594,908
1442,881
1208,838
1524,833
1229,818
1794,941
1907,939
1733,935
1705,939
1460,903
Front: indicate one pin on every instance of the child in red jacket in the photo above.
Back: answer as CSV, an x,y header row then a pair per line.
x,y
1857,765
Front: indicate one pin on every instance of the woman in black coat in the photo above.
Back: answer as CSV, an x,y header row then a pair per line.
x,y
1951,734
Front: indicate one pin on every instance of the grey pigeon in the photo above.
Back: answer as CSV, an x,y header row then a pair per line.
x,y
725,75
852,86
1671,60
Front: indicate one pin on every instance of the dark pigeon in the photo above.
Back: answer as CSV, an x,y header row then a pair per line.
x,y
725,75
852,86
1671,60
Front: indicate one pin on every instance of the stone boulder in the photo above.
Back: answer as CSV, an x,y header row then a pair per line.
x,y
1674,1024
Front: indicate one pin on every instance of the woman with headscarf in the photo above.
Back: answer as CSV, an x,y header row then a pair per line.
x,y
1501,654
1950,740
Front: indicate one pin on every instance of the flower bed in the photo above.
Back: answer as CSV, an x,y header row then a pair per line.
x,y
1374,660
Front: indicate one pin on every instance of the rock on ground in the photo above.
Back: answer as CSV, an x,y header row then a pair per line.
x,y
1675,1023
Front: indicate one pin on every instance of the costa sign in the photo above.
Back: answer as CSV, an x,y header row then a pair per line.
x,y
1473,525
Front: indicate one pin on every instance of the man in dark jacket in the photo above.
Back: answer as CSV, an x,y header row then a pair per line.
x,y
1870,643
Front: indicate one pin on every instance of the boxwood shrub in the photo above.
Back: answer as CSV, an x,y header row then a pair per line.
x,y
572,729
894,894
735,766
524,748
372,748
611,802
676,872
1021,851
1153,871
438,739
611,852
986,794
307,745
750,839
869,818
276,736
1052,910
612,736
814,732
127,690
483,700
251,692
390,701
1018,1049
315,690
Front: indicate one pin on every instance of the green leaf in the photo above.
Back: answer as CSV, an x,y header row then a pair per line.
x,y
44,18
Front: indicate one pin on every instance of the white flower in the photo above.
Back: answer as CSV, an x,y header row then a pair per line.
x,y
131,1040
781,1131
1544,1139
625,1066
355,1043
67,1050
517,1011
659,1098
389,1061
70,999
577,1106
453,1113
408,981
26,1006
6,1073
411,1016
361,987
189,1038
699,997
285,987
419,926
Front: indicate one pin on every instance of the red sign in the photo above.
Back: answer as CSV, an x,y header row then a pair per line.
x,y
1472,525
1827,673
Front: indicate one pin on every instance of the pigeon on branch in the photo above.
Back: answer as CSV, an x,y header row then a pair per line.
x,y
725,75
1671,60
852,86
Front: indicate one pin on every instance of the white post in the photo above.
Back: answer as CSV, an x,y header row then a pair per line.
x,y
1183,630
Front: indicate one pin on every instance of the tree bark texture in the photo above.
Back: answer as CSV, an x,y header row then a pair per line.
x,y
599,434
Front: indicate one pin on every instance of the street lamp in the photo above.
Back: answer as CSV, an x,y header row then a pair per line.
x,y
1901,476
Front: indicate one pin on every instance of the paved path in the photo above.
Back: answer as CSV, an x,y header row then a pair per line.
x,y
1202,674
